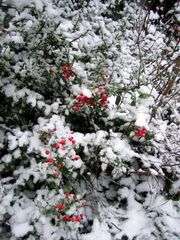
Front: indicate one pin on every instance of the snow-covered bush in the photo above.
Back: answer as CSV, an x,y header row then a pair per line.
x,y
88,121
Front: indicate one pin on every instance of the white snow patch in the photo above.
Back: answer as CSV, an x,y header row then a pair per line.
x,y
99,231
142,120
86,92
20,230
123,148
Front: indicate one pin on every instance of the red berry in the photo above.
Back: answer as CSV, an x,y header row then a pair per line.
x,y
56,146
83,204
84,99
66,76
58,205
75,109
78,98
59,165
66,218
50,160
64,69
55,174
75,197
77,219
63,142
72,75
62,207
141,133
90,102
75,158
104,99
47,152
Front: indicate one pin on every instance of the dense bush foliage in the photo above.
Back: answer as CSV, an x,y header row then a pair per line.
x,y
89,117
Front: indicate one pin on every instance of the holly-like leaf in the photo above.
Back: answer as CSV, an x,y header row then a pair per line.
x,y
60,160
149,136
118,99
7,20
133,103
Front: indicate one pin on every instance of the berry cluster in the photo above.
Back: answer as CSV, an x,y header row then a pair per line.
x,y
141,133
67,71
64,71
63,208
57,152
99,99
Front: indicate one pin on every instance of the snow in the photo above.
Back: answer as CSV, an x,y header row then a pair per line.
x,y
29,24
20,230
152,29
9,90
52,12
99,230
153,16
66,25
24,139
125,178
76,89
142,120
122,147
159,137
112,100
173,224
86,92
15,39
7,158
100,137
143,187
135,224
178,17
12,141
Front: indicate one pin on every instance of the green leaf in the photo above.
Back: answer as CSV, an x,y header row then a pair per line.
x,y
119,122
84,59
60,160
64,171
118,99
52,185
144,95
81,2
7,19
149,136
67,187
133,103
